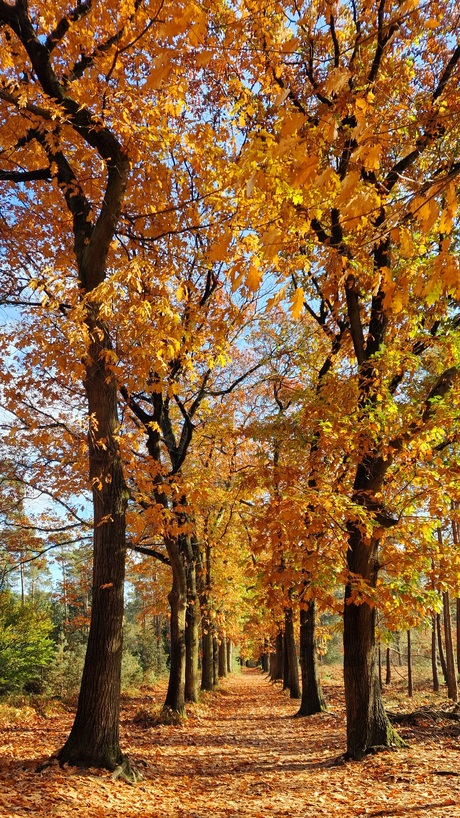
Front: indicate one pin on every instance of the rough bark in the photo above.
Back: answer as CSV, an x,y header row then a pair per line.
x,y
279,657
367,723
410,686
388,667
204,586
223,657
207,670
215,660
94,737
229,655
452,688
291,653
312,695
442,658
191,628
265,663
434,657
175,696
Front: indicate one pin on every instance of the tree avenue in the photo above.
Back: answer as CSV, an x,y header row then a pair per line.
x,y
87,124
233,233
350,167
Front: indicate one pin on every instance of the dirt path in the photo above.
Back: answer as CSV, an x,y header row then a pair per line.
x,y
239,754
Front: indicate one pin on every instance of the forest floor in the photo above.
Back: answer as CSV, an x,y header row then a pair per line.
x,y
239,753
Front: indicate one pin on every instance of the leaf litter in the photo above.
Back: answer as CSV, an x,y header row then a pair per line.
x,y
239,753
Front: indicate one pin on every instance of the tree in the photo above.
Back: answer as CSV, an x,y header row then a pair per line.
x,y
83,99
349,165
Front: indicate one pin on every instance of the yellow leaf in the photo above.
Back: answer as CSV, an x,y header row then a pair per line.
x,y
219,249
297,303
303,171
203,58
253,278
290,45
275,299
406,243
181,292
291,123
336,81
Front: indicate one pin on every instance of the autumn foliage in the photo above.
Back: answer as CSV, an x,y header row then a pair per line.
x,y
231,341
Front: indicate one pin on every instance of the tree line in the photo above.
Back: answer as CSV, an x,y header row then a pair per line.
x,y
231,235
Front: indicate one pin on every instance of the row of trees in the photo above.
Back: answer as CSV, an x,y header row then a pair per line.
x,y
232,236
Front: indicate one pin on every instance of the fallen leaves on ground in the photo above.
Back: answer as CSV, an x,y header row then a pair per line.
x,y
239,753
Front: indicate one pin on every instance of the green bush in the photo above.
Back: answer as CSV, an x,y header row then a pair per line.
x,y
26,648
63,678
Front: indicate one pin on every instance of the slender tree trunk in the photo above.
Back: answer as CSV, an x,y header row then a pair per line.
x,y
229,655
207,661
272,665
440,647
457,622
388,667
191,630
434,658
223,658
285,664
175,696
192,639
159,645
291,653
410,687
279,674
452,688
380,666
204,581
398,649
456,540
265,663
215,660
312,695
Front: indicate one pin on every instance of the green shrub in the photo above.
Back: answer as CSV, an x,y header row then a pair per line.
x,y
26,648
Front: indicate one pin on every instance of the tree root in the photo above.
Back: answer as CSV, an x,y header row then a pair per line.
x,y
425,714
127,772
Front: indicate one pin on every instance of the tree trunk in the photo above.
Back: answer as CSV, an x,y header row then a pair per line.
x,y
229,655
452,689
215,660
457,607
457,621
204,580
410,687
265,662
291,653
94,737
312,695
272,664
175,696
223,658
367,722
440,647
388,667
191,631
207,659
279,643
434,659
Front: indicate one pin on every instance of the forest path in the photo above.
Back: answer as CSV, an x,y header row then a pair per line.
x,y
240,753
